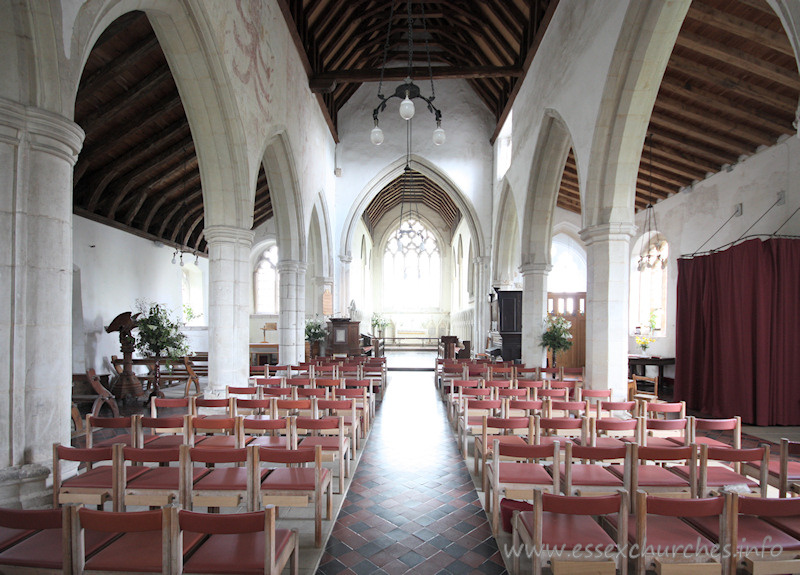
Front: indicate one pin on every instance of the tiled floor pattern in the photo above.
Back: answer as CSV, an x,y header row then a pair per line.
x,y
412,506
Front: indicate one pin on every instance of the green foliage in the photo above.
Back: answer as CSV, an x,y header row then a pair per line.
x,y
556,336
379,322
159,333
652,320
315,331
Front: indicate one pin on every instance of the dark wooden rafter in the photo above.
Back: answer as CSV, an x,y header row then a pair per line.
x,y
138,168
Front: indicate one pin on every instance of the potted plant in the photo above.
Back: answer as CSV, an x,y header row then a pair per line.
x,y
159,336
556,336
379,323
315,335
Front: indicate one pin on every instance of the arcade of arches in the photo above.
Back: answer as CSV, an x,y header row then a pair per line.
x,y
174,150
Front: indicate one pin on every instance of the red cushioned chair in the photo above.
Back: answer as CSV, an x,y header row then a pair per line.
x,y
733,424
142,542
115,424
157,486
96,484
470,419
299,382
782,472
666,542
248,392
501,373
268,432
294,407
559,408
561,529
594,396
219,433
550,373
224,486
624,409
657,477
38,541
463,389
572,387
273,383
518,478
665,432
613,432
240,543
364,405
561,429
293,486
583,470
750,535
507,430
523,407
211,408
328,433
346,409
716,477
164,431
262,408
662,409
175,406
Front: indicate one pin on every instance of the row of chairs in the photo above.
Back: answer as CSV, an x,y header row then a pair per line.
x,y
332,433
76,540
724,533
374,367
371,385
191,477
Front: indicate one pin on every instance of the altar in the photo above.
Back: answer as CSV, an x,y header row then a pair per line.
x,y
264,353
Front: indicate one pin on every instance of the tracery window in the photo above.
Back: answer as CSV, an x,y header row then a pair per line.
x,y
411,268
266,282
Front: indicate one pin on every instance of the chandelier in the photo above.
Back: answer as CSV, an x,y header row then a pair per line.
x,y
653,251
408,91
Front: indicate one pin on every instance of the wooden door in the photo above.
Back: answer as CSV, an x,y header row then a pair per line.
x,y
573,307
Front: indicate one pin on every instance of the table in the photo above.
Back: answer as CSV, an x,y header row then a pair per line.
x,y
259,349
635,361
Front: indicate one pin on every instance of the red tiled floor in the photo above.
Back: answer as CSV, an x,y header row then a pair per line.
x,y
411,507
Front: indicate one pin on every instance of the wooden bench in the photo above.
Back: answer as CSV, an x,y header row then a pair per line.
x,y
87,388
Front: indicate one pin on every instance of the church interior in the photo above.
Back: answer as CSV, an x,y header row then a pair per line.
x,y
427,240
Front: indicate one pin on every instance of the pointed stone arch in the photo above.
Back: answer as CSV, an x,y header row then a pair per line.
x,y
506,243
287,202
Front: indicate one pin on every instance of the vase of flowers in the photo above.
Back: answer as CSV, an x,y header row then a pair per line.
x,y
556,336
159,337
379,323
644,342
315,335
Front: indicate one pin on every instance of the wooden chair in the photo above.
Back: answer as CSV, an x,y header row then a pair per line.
x,y
254,408
573,388
656,476
238,540
588,474
219,433
270,382
665,432
294,486
163,432
561,430
95,485
560,529
733,424
620,410
211,408
765,534
329,434
613,432
519,478
560,408
550,373
593,396
182,405
668,544
248,392
275,433
363,405
141,541
470,419
157,486
716,477
641,387
523,407
662,409
780,472
111,423
39,541
228,486
294,407
346,409
572,374
87,388
277,392
511,431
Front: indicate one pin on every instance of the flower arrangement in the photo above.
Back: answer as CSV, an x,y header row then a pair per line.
x,y
556,336
315,331
379,322
159,333
644,342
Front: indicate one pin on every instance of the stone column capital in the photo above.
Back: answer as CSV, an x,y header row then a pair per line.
x,y
291,266
614,231
47,132
346,259
533,269
220,234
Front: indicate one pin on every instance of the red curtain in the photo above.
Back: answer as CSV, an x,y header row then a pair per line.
x,y
737,342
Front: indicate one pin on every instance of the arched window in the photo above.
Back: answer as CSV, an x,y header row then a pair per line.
x,y
569,266
411,268
266,282
648,294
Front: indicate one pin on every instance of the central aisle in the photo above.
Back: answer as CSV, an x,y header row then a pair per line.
x,y
411,506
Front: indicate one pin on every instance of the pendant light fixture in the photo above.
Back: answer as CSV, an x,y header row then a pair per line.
x,y
407,92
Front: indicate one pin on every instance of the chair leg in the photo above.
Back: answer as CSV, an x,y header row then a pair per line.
x,y
318,522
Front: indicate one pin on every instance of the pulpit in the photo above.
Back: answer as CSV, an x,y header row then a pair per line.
x,y
344,337
509,305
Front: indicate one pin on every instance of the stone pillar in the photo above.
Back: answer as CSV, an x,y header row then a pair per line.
x,y
344,283
481,290
608,252
38,150
292,348
228,307
300,333
534,311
